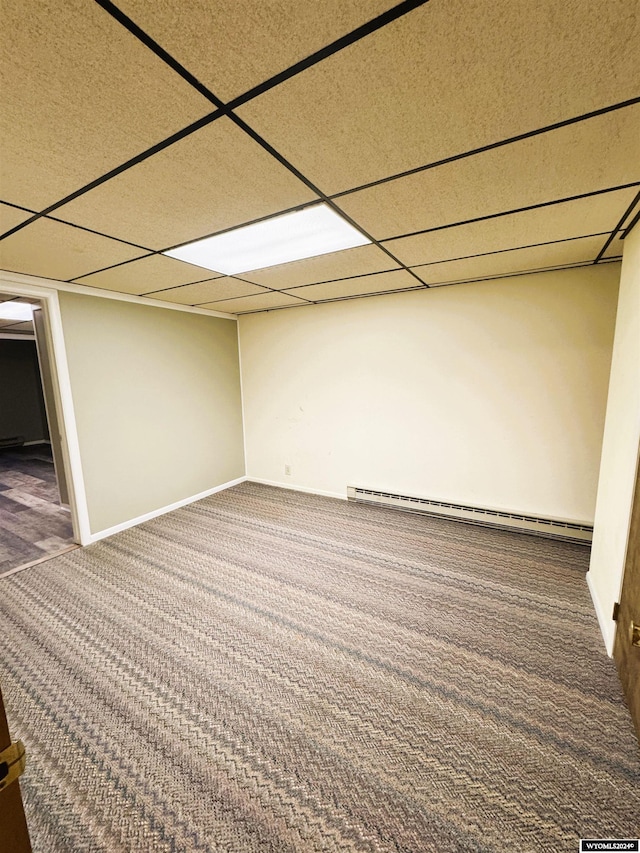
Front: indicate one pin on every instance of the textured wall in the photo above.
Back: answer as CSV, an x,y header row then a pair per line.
x,y
490,393
157,402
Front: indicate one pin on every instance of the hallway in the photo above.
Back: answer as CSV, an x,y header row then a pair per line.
x,y
33,525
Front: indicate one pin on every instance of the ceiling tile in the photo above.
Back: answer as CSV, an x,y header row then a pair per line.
x,y
349,262
543,168
517,260
614,249
233,45
79,96
376,283
593,215
208,291
11,216
151,273
446,78
211,180
254,303
53,250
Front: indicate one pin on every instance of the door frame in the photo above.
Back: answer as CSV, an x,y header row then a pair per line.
x,y
63,398
622,655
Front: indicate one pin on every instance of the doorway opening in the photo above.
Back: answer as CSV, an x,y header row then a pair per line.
x,y
36,521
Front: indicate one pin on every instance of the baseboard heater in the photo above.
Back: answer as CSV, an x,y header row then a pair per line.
x,y
550,527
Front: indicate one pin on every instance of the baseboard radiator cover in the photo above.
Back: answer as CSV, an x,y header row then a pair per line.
x,y
555,528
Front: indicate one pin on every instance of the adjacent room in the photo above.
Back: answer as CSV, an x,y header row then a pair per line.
x,y
329,394
35,519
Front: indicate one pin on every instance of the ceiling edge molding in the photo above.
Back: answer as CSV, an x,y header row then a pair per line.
x,y
7,278
9,336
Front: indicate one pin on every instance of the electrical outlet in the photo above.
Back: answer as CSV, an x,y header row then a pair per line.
x,y
287,470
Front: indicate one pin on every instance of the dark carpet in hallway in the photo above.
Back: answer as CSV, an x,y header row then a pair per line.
x,y
271,671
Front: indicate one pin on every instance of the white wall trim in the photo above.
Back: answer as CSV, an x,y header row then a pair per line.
x,y
66,416
85,290
607,625
45,291
292,488
16,336
133,522
627,535
244,432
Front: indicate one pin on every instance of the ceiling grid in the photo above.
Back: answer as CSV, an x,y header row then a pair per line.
x,y
465,140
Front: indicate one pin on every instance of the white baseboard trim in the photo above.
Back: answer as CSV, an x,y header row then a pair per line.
x,y
607,625
125,525
293,488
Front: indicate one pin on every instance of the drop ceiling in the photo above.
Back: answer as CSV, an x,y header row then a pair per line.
x,y
467,139
16,328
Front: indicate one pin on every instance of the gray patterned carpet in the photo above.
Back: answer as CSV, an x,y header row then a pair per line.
x,y
270,671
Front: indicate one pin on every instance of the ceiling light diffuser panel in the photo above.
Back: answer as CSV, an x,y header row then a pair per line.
x,y
317,230
19,311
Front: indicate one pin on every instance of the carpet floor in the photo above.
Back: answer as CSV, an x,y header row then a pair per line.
x,y
271,671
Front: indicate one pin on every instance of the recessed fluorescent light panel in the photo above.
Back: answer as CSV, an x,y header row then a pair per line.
x,y
317,230
16,311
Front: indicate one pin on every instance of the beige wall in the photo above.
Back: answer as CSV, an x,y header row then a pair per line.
x,y
490,393
156,394
619,448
